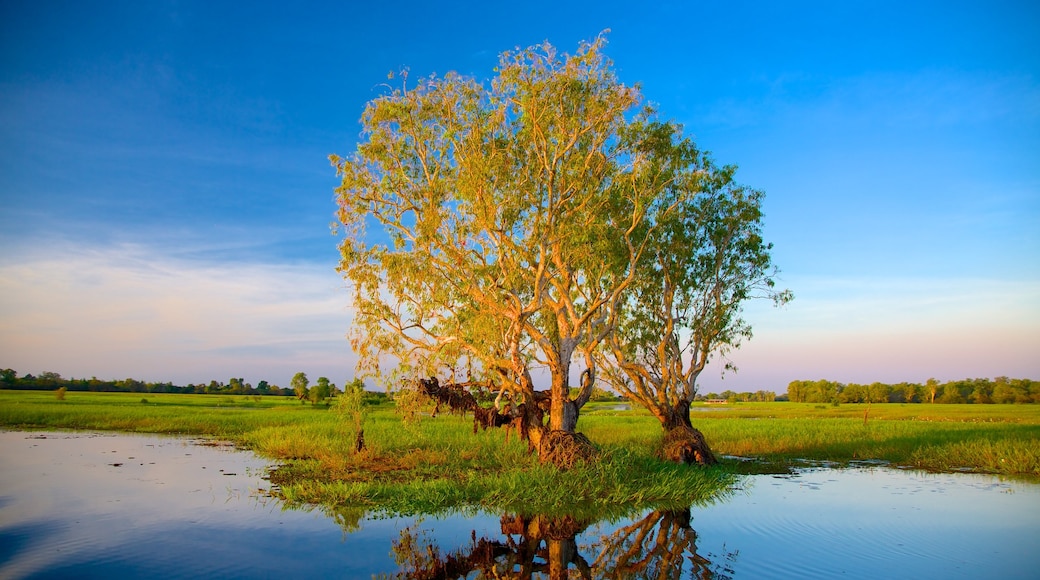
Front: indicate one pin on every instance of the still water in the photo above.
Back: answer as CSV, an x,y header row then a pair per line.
x,y
90,505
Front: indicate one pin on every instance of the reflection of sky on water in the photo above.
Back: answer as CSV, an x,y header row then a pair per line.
x,y
172,509
103,505
879,522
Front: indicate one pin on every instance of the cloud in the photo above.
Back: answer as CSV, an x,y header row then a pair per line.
x,y
896,304
890,330
130,310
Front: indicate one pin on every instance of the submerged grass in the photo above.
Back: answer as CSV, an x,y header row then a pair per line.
x,y
439,464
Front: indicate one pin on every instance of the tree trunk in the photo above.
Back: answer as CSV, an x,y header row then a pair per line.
x,y
561,444
532,426
682,442
359,441
563,415
561,552
568,417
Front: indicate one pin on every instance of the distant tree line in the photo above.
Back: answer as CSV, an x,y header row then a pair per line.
x,y
323,389
50,381
981,391
746,397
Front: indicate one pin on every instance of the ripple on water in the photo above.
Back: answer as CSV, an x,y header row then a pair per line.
x,y
877,522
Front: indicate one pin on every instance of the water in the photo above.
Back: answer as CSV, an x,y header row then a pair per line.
x,y
103,505
877,522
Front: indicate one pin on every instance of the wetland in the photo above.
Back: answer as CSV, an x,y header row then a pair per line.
x,y
247,488
129,505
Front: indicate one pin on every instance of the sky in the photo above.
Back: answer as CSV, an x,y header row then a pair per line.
x,y
166,195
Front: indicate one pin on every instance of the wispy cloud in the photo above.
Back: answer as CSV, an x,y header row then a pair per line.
x,y
890,330
895,304
132,311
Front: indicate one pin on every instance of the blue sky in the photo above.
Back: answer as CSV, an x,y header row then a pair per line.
x,y
165,193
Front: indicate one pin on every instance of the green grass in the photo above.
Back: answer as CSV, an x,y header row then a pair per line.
x,y
617,484
434,465
999,439
439,464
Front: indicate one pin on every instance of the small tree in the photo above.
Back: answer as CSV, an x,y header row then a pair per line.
x,y
322,390
8,378
351,407
299,386
932,388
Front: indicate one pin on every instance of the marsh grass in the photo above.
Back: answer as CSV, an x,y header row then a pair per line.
x,y
999,439
611,487
991,439
987,453
438,464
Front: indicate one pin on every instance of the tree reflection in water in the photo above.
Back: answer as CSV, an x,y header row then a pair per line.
x,y
657,546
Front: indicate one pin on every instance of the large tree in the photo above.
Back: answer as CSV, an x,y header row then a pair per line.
x,y
703,264
493,225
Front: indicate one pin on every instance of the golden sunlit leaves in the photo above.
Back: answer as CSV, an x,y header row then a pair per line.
x,y
539,218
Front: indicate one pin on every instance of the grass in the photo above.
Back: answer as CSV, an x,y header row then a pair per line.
x,y
998,439
616,485
439,464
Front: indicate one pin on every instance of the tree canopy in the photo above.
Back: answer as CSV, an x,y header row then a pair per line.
x,y
299,385
707,259
527,223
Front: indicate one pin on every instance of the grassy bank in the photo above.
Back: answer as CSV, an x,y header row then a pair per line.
x,y
998,439
439,463
428,466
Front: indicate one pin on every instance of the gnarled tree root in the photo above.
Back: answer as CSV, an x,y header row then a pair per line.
x,y
686,445
565,449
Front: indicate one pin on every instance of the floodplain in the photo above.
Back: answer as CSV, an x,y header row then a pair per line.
x,y
104,504
948,490
437,462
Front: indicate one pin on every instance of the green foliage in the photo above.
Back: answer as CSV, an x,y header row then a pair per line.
x,y
704,259
48,381
322,390
522,222
979,391
599,395
8,378
734,397
544,217
238,386
351,408
299,386
411,404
